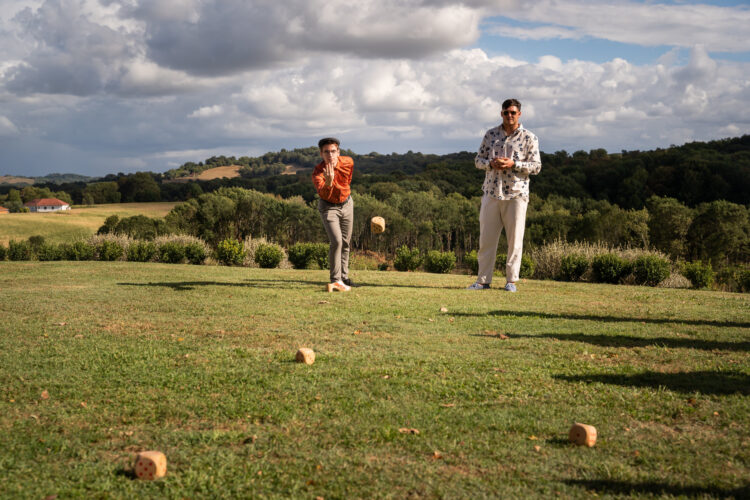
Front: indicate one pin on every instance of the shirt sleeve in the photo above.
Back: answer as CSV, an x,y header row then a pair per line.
x,y
482,159
532,162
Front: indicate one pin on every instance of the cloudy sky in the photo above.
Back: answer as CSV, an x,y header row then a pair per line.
x,y
106,86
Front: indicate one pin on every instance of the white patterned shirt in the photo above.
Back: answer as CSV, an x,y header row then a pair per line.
x,y
523,147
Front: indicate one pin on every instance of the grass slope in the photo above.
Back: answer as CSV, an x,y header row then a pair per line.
x,y
198,362
79,222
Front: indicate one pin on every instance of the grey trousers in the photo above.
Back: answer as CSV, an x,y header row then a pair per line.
x,y
495,215
338,220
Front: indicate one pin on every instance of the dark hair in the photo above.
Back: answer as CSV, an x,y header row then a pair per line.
x,y
328,140
512,102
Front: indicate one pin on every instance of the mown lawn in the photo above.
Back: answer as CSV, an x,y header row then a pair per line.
x,y
78,223
198,362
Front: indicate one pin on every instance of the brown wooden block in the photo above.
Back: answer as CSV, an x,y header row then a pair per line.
x,y
377,225
150,465
305,355
582,434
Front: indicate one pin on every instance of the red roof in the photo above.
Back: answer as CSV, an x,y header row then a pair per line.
x,y
45,202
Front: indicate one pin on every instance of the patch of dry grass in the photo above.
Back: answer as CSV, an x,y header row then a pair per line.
x,y
78,223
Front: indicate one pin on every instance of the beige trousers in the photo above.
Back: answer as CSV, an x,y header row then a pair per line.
x,y
495,215
338,220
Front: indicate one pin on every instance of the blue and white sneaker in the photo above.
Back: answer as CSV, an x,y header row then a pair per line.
x,y
479,286
510,287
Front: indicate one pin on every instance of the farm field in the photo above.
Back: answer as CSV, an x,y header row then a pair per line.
x,y
79,222
102,360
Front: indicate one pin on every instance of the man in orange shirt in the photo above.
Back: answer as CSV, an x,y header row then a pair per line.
x,y
332,179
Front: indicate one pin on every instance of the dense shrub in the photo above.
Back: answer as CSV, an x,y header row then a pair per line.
x,y
650,270
3,252
171,252
195,253
366,260
109,225
141,251
548,257
108,250
439,262
700,275
269,255
79,250
19,250
733,278
744,280
609,268
137,227
471,261
407,259
573,267
320,254
527,265
49,251
303,255
230,252
36,241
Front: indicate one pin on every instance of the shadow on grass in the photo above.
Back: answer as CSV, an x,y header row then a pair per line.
x,y
265,283
607,486
628,341
705,382
610,319
128,473
274,283
181,286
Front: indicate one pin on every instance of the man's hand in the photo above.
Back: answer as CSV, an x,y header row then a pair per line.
x,y
502,163
328,174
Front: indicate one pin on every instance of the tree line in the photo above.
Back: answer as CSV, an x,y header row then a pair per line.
x,y
694,173
690,201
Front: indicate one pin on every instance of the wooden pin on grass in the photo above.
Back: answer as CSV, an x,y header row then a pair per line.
x,y
150,465
305,355
582,435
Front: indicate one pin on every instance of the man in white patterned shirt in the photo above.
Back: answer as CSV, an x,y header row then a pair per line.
x,y
509,154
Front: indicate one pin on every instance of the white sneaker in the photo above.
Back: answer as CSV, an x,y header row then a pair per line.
x,y
479,286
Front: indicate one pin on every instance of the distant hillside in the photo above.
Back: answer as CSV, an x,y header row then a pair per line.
x,y
16,181
63,178
47,179
227,172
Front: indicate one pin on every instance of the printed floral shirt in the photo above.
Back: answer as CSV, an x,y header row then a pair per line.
x,y
523,147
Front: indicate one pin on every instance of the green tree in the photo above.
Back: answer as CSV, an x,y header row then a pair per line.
x,y
720,233
668,224
102,192
139,187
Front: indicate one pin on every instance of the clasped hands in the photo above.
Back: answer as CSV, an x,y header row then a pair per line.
x,y
502,163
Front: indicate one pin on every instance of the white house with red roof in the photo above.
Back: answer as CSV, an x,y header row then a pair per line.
x,y
46,205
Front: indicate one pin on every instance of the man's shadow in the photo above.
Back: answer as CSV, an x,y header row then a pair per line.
x,y
271,283
608,318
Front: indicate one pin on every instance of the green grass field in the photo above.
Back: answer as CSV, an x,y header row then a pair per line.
x,y
77,223
198,362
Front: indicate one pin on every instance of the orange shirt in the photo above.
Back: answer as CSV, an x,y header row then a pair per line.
x,y
342,178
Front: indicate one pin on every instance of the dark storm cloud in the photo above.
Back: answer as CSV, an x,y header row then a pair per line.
x,y
69,55
230,36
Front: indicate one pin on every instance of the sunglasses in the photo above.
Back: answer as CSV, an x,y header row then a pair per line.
x,y
511,113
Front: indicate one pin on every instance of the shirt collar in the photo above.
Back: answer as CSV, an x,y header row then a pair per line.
x,y
520,127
